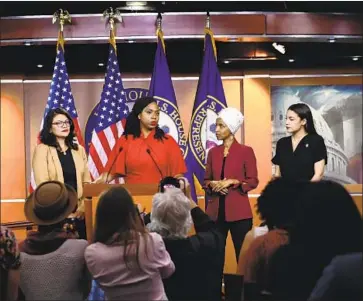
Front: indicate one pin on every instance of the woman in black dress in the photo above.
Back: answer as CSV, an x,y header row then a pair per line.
x,y
303,155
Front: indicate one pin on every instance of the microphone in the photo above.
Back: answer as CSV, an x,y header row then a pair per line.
x,y
157,166
114,160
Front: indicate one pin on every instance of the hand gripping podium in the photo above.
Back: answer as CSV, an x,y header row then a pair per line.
x,y
141,193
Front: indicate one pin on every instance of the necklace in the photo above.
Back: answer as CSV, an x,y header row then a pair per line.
x,y
64,152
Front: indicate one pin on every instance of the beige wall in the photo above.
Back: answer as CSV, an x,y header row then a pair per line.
x,y
12,142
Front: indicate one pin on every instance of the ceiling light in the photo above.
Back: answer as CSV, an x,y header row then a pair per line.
x,y
135,6
101,64
130,41
27,44
136,3
355,58
226,61
280,48
291,60
40,66
332,40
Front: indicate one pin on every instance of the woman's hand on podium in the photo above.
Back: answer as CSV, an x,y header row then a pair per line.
x,y
101,179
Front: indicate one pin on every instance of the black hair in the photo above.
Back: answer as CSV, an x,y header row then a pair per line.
x,y
304,112
132,126
48,138
277,202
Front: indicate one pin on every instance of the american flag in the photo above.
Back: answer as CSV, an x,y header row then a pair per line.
x,y
111,115
60,95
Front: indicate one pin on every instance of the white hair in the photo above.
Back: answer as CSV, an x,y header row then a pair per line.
x,y
170,214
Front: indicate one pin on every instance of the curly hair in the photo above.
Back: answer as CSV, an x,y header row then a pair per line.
x,y
132,126
278,201
48,138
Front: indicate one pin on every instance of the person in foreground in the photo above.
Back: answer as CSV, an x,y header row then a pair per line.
x,y
59,158
303,155
277,208
341,280
53,265
328,224
144,153
198,258
9,265
126,261
231,172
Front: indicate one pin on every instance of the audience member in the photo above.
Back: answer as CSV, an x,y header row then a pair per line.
x,y
328,224
53,265
198,258
276,206
127,262
341,280
9,265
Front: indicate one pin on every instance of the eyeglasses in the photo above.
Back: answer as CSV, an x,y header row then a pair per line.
x,y
61,124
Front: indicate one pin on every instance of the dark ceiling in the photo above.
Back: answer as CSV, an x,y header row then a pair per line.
x,y
184,56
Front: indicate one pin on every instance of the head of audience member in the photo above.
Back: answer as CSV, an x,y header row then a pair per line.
x,y
328,224
144,116
328,221
9,264
50,204
57,125
117,217
170,214
277,203
229,120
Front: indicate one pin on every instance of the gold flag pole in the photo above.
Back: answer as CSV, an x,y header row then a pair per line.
x,y
112,17
159,30
207,21
63,17
207,30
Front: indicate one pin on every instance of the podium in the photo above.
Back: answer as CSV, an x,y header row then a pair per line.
x,y
141,193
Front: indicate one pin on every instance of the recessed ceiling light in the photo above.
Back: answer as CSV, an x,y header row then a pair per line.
x,y
40,66
355,58
291,60
27,44
130,41
332,40
226,61
101,64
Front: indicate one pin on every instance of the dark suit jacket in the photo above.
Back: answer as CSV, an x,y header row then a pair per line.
x,y
240,165
198,260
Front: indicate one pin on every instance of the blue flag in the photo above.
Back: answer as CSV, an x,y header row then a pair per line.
x,y
209,100
161,88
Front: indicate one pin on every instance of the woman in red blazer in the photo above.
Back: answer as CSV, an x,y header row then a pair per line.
x,y
231,172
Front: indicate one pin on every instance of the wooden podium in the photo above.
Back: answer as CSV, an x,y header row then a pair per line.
x,y
142,193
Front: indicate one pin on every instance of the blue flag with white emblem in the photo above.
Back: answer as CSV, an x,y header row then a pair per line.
x,y
161,88
209,100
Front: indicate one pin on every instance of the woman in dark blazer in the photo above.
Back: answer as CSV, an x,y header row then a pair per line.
x,y
231,172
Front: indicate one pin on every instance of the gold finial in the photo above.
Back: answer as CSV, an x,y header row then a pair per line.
x,y
63,17
112,17
159,22
207,21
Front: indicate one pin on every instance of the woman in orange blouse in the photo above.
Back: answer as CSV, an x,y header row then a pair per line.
x,y
144,153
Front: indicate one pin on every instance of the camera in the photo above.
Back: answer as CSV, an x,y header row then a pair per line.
x,y
168,182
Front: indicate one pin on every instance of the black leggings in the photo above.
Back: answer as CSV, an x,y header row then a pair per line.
x,y
238,230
